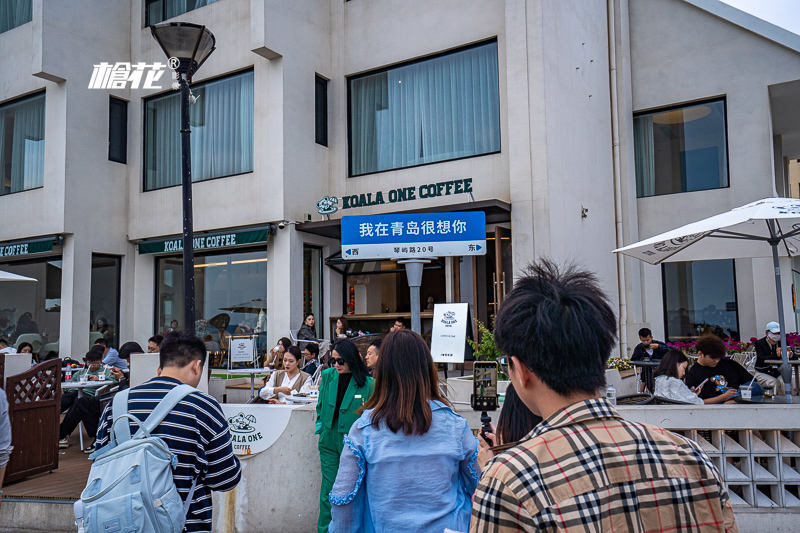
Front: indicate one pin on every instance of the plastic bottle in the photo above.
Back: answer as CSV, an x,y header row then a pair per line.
x,y
68,373
611,395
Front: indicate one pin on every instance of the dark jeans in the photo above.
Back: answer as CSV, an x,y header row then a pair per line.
x,y
86,409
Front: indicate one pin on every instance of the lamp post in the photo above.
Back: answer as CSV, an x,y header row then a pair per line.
x,y
187,46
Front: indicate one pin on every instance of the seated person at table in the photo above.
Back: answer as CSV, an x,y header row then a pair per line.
x,y
5,348
669,379
724,375
125,351
307,331
310,359
87,408
111,356
768,347
342,327
275,358
282,382
648,347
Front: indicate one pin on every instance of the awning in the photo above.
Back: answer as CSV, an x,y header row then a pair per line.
x,y
497,212
208,241
38,245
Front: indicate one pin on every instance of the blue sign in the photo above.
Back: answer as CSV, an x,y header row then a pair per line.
x,y
417,235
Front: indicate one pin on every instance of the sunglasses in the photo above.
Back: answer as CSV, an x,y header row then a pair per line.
x,y
338,361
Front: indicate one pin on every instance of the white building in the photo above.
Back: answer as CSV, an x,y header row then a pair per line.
x,y
576,125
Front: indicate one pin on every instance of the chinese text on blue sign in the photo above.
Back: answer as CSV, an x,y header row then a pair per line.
x,y
417,235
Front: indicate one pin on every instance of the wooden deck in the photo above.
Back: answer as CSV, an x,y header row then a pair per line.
x,y
64,483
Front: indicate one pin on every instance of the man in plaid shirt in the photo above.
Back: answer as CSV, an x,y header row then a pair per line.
x,y
584,468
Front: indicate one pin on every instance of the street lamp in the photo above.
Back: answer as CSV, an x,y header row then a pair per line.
x,y
187,46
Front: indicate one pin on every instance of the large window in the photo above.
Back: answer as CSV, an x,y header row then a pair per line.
x,y
104,306
681,150
22,144
15,13
222,132
700,298
312,285
434,110
160,10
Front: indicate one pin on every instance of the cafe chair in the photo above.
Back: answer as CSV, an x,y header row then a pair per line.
x,y
660,400
635,399
296,341
34,339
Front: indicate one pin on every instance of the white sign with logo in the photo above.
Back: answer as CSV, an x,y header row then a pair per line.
x,y
242,349
254,428
449,332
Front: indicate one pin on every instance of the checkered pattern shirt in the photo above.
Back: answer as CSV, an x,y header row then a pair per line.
x,y
586,469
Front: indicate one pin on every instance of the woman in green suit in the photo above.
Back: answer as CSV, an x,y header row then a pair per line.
x,y
343,389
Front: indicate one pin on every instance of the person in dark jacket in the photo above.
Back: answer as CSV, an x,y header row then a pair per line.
x,y
648,347
307,331
768,347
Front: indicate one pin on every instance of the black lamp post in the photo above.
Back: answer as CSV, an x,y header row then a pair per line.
x,y
187,46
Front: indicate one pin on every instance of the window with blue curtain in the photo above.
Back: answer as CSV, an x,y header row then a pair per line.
x,y
438,109
161,10
221,138
22,144
15,13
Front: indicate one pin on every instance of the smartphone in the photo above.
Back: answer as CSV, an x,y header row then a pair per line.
x,y
701,384
484,386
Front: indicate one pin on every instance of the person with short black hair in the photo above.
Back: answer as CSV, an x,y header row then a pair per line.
x,y
310,358
724,375
125,352
399,324
6,348
373,351
557,329
111,356
648,347
154,343
195,431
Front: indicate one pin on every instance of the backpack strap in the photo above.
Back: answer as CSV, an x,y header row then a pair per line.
x,y
119,408
165,406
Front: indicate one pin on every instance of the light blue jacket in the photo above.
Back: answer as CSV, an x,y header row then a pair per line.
x,y
390,482
5,431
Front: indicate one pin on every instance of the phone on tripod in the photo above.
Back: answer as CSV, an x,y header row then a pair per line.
x,y
484,392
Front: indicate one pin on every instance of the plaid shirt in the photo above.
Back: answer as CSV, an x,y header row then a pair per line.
x,y
587,469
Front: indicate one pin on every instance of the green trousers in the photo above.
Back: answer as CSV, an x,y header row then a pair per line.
x,y
330,449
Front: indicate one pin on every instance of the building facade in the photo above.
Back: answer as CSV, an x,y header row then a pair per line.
x,y
576,126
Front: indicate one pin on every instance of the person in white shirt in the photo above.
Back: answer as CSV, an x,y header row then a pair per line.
x,y
669,379
5,348
282,382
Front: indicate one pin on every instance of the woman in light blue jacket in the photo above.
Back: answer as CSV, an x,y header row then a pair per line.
x,y
409,462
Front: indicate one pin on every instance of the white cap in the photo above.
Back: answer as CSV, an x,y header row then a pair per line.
x,y
774,327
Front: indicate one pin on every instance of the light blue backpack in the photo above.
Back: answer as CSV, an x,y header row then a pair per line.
x,y
130,486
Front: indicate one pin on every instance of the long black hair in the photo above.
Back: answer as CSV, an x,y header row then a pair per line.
x,y
516,420
348,351
669,364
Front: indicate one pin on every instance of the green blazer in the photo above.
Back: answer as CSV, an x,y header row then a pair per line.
x,y
328,386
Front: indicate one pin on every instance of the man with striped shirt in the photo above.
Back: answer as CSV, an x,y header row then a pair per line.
x,y
196,431
584,468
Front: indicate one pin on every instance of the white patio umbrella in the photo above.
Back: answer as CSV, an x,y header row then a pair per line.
x,y
8,276
759,229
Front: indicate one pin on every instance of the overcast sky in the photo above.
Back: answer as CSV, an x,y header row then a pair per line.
x,y
783,13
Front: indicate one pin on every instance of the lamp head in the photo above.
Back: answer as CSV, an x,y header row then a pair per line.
x,y
189,44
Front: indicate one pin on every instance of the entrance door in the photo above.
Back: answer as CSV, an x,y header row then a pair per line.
x,y
492,274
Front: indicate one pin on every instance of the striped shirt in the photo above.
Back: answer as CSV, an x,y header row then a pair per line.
x,y
196,431
586,469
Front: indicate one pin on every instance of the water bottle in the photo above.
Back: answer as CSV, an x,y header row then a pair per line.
x,y
611,395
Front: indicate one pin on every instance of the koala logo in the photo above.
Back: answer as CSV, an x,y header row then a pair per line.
x,y
449,318
242,423
327,206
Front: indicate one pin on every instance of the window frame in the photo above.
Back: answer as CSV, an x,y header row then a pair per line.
x,y
394,66
20,25
113,100
673,107
197,87
18,100
320,93
163,13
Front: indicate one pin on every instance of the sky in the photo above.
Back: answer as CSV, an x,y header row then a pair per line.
x,y
783,13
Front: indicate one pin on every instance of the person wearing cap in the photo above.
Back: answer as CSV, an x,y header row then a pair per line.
x,y
768,347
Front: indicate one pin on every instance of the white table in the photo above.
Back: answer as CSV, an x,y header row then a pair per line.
x,y
252,372
302,399
80,385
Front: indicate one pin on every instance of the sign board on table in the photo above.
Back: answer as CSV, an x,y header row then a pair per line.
x,y
242,349
254,428
449,334
413,235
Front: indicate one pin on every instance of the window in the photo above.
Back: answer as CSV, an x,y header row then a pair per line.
x,y
438,109
321,110
700,298
104,306
312,285
22,144
15,13
681,150
160,10
222,132
117,130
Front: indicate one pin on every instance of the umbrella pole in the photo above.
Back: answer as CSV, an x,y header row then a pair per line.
x,y
786,371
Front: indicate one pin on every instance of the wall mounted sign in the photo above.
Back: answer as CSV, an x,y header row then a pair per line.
x,y
26,248
449,335
413,235
206,242
254,428
443,188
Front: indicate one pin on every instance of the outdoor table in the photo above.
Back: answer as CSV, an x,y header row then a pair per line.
x,y
252,372
647,372
80,385
778,399
302,399
795,366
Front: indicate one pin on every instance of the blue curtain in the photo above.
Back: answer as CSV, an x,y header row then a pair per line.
x,y
25,121
444,108
222,132
15,13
